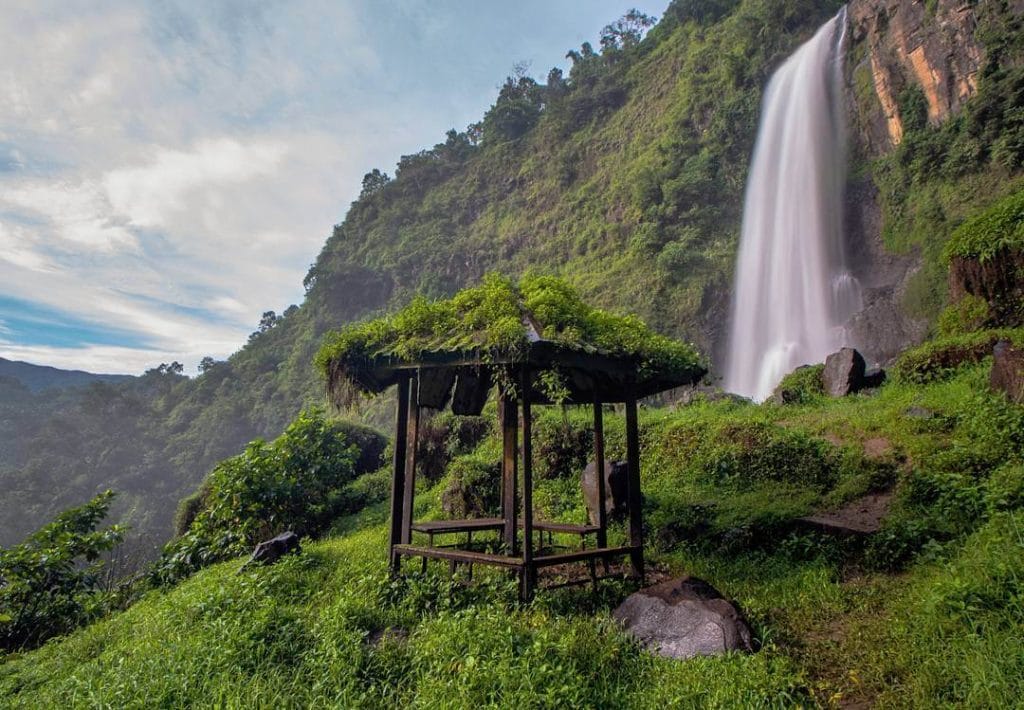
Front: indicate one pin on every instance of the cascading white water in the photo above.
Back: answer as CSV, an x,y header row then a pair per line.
x,y
793,291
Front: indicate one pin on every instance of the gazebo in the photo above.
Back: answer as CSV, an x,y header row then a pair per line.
x,y
536,344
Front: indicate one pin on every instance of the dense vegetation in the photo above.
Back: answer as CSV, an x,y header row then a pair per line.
x,y
52,582
626,172
723,483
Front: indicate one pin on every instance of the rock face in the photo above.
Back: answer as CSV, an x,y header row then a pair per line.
x,y
999,280
1008,371
844,373
614,487
903,42
270,551
684,617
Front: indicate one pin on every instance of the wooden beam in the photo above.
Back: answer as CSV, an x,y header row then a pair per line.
x,y
398,475
529,573
602,509
509,469
409,488
636,521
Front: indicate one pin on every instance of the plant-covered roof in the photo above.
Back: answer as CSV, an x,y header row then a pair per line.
x,y
542,320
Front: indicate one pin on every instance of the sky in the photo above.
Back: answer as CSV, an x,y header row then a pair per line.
x,y
169,170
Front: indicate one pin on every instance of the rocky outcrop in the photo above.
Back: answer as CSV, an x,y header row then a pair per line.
x,y
682,618
1008,371
843,373
901,42
999,280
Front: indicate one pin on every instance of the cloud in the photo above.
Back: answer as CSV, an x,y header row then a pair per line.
x,y
169,169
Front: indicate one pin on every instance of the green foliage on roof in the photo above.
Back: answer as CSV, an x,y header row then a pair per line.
x,y
492,318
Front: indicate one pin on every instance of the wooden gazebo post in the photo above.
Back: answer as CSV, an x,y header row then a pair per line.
x,y
636,522
602,512
529,572
398,475
412,435
509,469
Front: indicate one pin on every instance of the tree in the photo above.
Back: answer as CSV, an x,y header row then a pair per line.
x,y
206,363
268,320
519,104
626,32
373,182
50,583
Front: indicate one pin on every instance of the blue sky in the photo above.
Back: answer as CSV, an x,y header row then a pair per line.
x,y
169,170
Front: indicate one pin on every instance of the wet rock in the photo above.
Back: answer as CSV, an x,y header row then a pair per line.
x,y
615,489
844,373
1007,374
684,617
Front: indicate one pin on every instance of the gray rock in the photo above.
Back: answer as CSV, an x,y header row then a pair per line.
x,y
873,378
1007,374
918,413
844,373
615,489
682,618
270,551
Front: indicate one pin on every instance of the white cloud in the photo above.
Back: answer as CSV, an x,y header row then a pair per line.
x,y
171,169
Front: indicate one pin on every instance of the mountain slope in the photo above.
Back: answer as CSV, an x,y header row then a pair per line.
x,y
41,377
625,176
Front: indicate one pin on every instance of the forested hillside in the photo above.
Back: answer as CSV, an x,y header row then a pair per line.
x,y
623,173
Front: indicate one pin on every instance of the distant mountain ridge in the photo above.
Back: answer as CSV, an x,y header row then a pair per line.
x,y
38,378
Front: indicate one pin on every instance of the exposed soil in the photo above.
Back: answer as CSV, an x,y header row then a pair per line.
x,y
859,517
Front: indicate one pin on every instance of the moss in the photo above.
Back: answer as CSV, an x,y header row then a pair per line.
x,y
802,385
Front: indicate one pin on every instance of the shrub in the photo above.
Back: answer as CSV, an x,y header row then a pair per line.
x,y
967,315
802,385
937,359
444,436
473,488
294,483
561,447
49,584
998,228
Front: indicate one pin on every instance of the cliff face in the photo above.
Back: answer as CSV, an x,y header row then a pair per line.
x,y
896,45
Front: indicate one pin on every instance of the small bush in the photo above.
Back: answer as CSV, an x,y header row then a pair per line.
x,y
998,228
802,385
294,483
562,447
444,436
938,359
50,584
967,315
473,489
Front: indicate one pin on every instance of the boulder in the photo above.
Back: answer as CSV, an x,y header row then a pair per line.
x,y
844,373
873,378
1007,374
615,488
682,618
270,551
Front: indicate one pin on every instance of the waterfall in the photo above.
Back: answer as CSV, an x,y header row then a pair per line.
x,y
793,291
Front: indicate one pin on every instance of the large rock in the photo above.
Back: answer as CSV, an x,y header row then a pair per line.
x,y
844,373
1008,371
615,488
684,617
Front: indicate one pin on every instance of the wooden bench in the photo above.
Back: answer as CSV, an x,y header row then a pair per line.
x,y
471,525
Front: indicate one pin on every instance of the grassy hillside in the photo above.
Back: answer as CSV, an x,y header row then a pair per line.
x,y
927,613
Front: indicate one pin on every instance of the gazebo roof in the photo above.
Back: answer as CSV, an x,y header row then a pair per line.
x,y
485,332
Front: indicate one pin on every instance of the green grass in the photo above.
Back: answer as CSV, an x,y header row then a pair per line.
x,y
930,615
